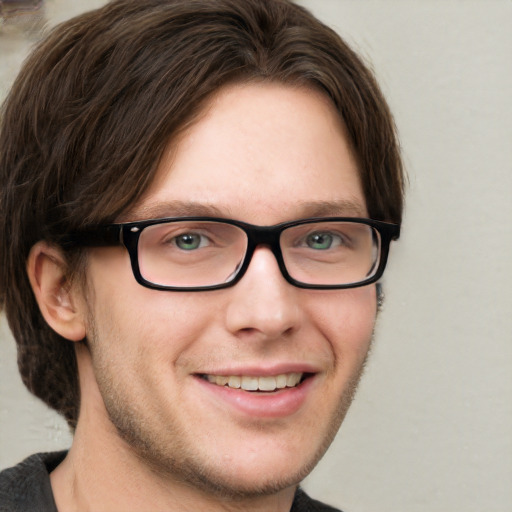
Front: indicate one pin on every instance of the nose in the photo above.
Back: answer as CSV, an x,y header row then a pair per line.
x,y
263,304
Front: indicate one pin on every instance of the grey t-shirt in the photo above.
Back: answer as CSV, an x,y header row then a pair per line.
x,y
26,487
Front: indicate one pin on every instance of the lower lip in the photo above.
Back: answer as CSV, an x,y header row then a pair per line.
x,y
281,403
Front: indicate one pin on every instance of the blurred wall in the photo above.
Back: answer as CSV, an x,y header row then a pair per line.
x,y
431,428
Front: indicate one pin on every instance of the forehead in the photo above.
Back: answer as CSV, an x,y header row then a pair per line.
x,y
262,153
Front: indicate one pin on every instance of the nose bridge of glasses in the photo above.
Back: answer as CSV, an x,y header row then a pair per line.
x,y
267,236
264,235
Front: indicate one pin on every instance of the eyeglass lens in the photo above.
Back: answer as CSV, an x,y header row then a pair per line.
x,y
208,253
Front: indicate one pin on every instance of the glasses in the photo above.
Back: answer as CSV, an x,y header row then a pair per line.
x,y
206,253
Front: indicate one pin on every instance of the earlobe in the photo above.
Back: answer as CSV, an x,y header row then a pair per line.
x,y
46,272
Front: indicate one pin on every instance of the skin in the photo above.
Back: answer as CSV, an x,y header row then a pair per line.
x,y
152,435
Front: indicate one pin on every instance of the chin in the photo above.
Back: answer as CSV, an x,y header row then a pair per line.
x,y
259,472
249,483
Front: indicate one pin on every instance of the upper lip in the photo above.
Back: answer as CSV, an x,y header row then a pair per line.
x,y
260,370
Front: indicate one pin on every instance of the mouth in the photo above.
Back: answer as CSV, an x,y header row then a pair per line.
x,y
267,383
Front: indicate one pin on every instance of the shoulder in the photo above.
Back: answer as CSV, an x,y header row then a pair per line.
x,y
26,486
303,503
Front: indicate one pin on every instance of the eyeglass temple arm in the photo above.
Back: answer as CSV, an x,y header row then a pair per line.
x,y
392,230
105,236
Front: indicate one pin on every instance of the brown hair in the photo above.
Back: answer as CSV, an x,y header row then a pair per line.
x,y
99,99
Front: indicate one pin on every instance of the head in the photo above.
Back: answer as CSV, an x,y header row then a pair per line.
x,y
102,122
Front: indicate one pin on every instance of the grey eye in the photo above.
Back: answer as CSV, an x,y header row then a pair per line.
x,y
189,241
322,241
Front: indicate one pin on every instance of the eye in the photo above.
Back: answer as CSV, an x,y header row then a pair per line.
x,y
323,240
190,241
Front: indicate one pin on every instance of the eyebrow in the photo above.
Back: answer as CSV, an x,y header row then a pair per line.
x,y
162,210
337,208
304,209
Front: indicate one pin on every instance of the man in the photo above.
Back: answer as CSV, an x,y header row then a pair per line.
x,y
198,202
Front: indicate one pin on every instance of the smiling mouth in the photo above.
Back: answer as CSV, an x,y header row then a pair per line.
x,y
254,383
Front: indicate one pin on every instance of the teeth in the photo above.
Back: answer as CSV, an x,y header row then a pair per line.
x,y
281,381
221,381
234,382
293,379
267,383
251,383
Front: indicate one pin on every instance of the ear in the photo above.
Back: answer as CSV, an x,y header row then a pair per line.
x,y
46,268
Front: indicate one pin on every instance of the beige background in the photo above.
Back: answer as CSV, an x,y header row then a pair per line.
x,y
431,428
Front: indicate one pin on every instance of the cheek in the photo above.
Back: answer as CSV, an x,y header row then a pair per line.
x,y
347,320
138,348
144,327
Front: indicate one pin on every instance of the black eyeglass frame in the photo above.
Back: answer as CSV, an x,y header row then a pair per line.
x,y
128,234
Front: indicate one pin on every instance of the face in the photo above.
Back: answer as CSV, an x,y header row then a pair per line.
x,y
262,154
